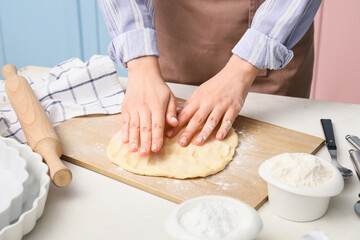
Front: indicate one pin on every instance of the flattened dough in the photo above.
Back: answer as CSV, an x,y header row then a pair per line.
x,y
176,161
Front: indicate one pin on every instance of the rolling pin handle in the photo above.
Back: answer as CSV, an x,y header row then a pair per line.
x,y
50,149
9,71
60,175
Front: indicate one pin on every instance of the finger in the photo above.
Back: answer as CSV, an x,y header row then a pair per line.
x,y
158,123
227,122
134,132
184,105
196,121
145,133
211,123
125,118
184,116
171,112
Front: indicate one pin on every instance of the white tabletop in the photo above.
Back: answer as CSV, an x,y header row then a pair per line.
x,y
97,207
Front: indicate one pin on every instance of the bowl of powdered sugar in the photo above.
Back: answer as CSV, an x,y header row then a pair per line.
x,y
300,185
213,217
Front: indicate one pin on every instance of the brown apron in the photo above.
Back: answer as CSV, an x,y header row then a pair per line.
x,y
196,37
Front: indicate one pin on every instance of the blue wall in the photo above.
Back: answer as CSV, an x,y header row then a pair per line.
x,y
47,32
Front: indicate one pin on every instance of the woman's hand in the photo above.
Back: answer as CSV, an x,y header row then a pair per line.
x,y
147,101
221,97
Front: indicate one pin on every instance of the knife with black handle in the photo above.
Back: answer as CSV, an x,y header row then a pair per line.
x,y
329,133
331,145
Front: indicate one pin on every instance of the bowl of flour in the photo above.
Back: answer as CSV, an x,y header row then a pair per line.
x,y
300,185
213,217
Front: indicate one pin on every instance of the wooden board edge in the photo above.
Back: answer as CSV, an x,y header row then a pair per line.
x,y
260,204
123,180
319,147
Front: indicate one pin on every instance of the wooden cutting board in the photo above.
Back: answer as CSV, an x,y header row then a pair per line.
x,y
85,140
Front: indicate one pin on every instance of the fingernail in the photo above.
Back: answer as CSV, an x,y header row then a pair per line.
x,y
170,133
133,147
220,136
174,119
200,140
183,140
154,147
125,138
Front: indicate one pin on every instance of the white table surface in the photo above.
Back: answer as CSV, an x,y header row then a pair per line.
x,y
97,207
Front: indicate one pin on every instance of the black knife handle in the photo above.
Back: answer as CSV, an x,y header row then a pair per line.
x,y
329,133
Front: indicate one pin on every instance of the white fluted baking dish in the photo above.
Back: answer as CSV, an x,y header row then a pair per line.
x,y
36,192
13,182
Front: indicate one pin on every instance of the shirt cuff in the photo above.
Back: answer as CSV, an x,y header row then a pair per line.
x,y
133,44
262,51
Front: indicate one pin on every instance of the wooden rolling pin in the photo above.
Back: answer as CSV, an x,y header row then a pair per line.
x,y
38,130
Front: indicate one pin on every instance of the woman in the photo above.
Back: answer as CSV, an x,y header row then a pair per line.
x,y
208,43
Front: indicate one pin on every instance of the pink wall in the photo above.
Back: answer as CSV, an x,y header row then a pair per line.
x,y
337,52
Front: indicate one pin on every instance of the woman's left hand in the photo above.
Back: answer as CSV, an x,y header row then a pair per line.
x,y
221,97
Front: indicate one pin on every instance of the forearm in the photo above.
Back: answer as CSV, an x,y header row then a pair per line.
x,y
147,67
241,69
132,27
277,26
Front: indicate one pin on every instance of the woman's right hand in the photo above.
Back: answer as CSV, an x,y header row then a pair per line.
x,y
148,101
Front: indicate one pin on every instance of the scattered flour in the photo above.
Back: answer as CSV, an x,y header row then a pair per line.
x,y
212,220
299,170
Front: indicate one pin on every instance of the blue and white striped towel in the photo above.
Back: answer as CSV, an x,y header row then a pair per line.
x,y
72,88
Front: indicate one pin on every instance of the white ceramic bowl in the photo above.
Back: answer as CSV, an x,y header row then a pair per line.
x,y
13,182
250,228
36,193
301,203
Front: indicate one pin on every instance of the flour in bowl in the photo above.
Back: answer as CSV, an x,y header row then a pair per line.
x,y
212,220
299,170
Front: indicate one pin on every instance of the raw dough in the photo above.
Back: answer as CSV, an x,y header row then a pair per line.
x,y
174,160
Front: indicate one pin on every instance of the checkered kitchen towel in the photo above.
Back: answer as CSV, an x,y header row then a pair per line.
x,y
72,88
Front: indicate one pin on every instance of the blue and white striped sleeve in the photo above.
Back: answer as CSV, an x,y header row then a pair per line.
x,y
131,24
277,26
